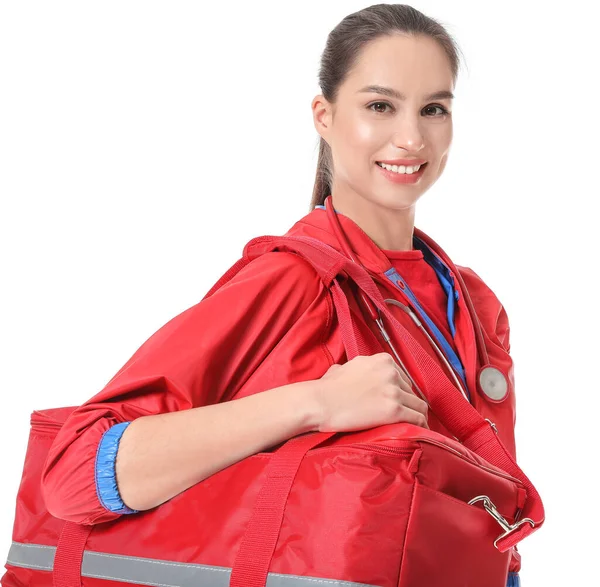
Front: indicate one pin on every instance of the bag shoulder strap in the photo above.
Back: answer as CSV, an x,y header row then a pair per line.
x,y
253,559
461,419
327,264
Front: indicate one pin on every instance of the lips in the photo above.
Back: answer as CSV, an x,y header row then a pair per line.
x,y
400,178
405,162
421,166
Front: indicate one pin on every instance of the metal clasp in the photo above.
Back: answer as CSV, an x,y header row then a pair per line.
x,y
491,509
492,425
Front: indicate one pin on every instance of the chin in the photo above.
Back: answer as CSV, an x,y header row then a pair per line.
x,y
396,201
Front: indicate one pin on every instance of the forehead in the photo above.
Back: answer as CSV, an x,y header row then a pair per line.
x,y
407,63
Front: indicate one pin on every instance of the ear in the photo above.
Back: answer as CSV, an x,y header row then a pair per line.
x,y
322,113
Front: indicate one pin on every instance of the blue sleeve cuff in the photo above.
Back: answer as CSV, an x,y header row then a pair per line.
x,y
106,480
513,580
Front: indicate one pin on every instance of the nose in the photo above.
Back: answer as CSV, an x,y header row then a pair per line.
x,y
408,135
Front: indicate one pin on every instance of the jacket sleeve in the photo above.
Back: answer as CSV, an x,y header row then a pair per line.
x,y
200,357
489,308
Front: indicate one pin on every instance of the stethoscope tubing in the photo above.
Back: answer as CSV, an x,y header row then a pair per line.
x,y
490,380
435,346
481,349
376,316
373,312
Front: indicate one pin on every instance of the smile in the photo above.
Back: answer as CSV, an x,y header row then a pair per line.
x,y
403,174
406,169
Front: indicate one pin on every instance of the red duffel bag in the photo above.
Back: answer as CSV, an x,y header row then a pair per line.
x,y
392,506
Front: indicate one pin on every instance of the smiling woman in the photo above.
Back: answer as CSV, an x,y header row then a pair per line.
x,y
267,432
384,118
415,68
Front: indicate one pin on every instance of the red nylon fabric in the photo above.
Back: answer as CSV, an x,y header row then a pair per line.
x,y
276,309
457,415
314,306
453,411
253,560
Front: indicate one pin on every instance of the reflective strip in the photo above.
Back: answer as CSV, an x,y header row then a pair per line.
x,y
147,571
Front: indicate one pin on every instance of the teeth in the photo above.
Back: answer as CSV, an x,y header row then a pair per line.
x,y
400,168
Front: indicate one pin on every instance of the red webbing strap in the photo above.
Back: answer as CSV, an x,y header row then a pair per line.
x,y
253,559
326,265
66,571
71,544
458,416
461,419
251,565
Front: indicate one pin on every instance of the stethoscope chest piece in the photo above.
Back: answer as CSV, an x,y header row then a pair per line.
x,y
493,383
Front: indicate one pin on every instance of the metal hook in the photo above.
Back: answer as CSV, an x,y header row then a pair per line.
x,y
493,511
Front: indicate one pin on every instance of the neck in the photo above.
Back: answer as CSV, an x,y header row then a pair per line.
x,y
389,229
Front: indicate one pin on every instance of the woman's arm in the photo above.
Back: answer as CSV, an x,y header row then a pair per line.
x,y
162,455
260,331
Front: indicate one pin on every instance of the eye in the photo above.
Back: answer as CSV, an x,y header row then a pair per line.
x,y
378,104
444,112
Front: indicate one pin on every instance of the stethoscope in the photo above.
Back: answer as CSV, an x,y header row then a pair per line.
x,y
491,381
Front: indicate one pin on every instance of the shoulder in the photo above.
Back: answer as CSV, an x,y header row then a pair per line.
x,y
279,309
278,262
276,280
488,307
279,270
478,289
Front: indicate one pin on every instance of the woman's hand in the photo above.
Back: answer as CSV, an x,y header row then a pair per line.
x,y
365,392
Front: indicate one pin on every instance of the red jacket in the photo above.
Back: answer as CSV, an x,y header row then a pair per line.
x,y
271,325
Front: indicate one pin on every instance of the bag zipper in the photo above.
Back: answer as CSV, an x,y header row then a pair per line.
x,y
43,423
465,458
386,450
408,447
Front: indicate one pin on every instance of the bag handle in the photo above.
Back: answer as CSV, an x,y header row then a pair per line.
x,y
253,559
254,556
71,545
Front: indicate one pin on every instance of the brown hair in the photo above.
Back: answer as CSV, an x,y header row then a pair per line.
x,y
342,50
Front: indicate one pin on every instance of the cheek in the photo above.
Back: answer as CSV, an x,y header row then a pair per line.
x,y
359,135
444,137
438,135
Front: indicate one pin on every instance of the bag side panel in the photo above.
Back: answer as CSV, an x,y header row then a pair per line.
x,y
344,515
448,543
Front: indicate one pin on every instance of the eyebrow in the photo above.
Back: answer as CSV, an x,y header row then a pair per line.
x,y
441,95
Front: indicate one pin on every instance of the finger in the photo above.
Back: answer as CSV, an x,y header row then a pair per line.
x,y
413,417
404,376
413,402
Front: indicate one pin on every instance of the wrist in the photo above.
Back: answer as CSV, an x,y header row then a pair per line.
x,y
309,405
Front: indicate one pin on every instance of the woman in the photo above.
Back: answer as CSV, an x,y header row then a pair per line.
x,y
212,387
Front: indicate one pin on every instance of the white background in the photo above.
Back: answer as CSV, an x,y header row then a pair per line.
x,y
142,144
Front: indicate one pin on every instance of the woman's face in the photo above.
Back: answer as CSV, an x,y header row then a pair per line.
x,y
366,127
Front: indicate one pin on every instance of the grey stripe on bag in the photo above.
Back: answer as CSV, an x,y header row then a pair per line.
x,y
148,571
